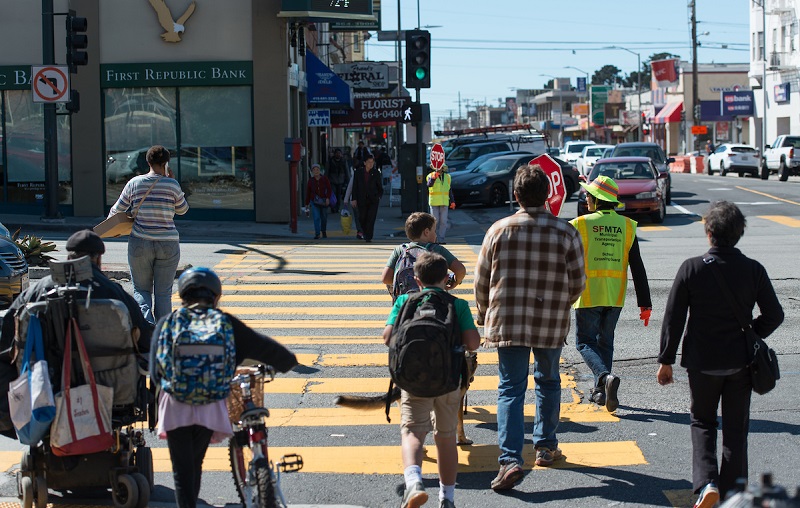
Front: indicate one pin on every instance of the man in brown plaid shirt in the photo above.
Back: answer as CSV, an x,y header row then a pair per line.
x,y
529,272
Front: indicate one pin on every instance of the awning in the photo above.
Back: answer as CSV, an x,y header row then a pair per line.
x,y
325,87
669,113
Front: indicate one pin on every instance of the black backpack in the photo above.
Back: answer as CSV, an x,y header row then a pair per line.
x,y
425,352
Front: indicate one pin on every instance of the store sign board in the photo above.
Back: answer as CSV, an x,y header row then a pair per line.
x,y
176,74
599,95
15,77
319,117
364,75
366,112
739,103
325,10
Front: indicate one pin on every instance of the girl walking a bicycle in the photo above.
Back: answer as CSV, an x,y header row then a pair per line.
x,y
194,354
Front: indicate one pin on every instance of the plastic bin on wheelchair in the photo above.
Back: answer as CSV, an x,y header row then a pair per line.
x,y
105,325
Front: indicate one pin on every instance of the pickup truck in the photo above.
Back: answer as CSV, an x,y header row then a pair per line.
x,y
783,157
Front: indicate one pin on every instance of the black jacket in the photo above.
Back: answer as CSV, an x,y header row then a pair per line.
x,y
367,190
337,171
713,339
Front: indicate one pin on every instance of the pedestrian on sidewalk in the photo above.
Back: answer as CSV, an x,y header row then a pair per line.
x,y
609,247
318,198
339,177
190,427
353,208
715,351
154,244
439,199
415,412
528,274
367,194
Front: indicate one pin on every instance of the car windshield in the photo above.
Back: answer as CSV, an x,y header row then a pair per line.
x,y
594,152
637,151
462,153
496,166
575,148
623,171
743,149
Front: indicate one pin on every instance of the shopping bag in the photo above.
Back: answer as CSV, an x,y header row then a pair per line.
x,y
119,224
346,221
334,200
83,413
30,397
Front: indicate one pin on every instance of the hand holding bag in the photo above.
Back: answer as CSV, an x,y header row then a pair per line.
x,y
30,397
764,370
83,413
121,223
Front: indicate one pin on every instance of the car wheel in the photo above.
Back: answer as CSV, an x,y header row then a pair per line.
x,y
497,195
658,217
783,171
669,192
764,170
722,171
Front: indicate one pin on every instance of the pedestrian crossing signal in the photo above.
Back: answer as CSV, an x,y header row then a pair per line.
x,y
418,59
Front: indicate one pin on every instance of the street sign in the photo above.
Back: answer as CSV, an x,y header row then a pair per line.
x,y
371,112
558,191
437,156
699,129
319,117
50,83
412,114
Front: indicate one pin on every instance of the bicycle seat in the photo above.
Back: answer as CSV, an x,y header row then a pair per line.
x,y
255,413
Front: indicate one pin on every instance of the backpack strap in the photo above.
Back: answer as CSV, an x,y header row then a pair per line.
x,y
389,399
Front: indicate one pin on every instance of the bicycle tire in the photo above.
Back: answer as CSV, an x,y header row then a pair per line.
x,y
261,495
266,489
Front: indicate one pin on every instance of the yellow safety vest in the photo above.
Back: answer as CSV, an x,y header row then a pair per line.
x,y
607,240
439,193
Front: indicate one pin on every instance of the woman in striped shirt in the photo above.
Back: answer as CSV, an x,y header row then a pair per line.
x,y
154,244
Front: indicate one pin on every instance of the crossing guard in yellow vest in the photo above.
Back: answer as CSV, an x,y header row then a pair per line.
x,y
609,247
439,199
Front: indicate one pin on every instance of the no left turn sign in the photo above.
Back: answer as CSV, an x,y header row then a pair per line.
x,y
50,83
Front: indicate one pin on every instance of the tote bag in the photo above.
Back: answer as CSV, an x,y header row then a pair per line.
x,y
83,413
30,397
121,223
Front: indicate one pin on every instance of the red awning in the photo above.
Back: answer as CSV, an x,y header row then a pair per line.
x,y
669,113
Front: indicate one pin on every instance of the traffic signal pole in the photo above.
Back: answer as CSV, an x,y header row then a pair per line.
x,y
50,127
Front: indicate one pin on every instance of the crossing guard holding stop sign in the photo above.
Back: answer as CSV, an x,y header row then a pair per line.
x,y
439,193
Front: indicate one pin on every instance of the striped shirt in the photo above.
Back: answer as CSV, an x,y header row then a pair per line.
x,y
154,218
528,274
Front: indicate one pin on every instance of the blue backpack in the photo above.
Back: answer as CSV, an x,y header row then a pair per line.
x,y
404,281
197,355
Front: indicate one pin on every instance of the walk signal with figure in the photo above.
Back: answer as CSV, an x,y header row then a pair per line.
x,y
76,41
418,59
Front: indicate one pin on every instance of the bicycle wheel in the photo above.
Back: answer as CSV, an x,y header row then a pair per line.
x,y
256,494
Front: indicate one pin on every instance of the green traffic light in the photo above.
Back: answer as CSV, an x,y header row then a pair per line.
x,y
420,73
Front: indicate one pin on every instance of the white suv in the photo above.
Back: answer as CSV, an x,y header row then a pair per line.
x,y
572,150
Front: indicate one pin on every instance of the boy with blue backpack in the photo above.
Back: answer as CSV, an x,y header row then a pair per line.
x,y
194,354
427,333
398,274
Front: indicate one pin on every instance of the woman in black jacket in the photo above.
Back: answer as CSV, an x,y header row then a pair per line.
x,y
367,194
715,352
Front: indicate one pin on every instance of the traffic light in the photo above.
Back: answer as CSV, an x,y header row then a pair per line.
x,y
697,111
76,41
418,59
74,104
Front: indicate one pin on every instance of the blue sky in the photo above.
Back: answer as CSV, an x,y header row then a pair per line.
x,y
469,55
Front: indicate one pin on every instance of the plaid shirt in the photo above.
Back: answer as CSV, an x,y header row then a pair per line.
x,y
529,272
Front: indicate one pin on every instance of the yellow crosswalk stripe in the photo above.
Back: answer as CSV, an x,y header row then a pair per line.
x,y
382,310
364,289
780,219
382,298
370,386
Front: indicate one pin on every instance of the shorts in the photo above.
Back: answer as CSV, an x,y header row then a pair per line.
x,y
423,414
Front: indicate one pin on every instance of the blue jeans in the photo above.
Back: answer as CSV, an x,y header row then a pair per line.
x,y
320,214
440,214
153,266
513,366
594,338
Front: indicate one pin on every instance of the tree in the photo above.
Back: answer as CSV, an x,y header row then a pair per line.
x,y
606,75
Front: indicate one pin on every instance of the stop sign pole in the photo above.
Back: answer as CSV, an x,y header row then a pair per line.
x,y
558,192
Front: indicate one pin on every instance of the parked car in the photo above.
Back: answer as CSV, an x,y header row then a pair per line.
x,y
652,150
480,160
642,188
464,154
573,149
588,157
781,157
13,269
732,157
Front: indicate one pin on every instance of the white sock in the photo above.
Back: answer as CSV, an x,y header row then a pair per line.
x,y
447,492
413,474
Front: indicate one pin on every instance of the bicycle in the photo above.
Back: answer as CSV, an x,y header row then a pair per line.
x,y
256,477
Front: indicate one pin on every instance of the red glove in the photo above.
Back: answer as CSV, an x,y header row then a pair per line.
x,y
644,314
453,205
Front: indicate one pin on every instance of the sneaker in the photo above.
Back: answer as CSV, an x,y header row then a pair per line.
x,y
324,234
546,456
708,496
415,496
612,385
446,503
316,237
598,397
509,474
360,235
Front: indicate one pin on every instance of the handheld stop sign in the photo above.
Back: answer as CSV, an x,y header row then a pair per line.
x,y
437,156
558,191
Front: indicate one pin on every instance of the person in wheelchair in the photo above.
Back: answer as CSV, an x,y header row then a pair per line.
x,y
80,244
191,418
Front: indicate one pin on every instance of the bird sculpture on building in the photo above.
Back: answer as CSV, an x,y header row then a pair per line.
x,y
173,29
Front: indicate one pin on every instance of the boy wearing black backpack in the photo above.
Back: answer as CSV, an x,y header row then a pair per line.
x,y
398,274
418,324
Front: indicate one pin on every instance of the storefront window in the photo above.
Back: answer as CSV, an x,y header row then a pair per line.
x,y
215,166
135,120
23,138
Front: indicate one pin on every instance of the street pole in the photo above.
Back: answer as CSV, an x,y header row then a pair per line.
x,y
639,87
50,126
764,76
695,103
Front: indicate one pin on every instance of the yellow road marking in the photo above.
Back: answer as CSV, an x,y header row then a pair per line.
x,y
365,287
341,298
332,339
652,228
382,310
768,195
780,219
289,277
380,359
337,324
371,386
